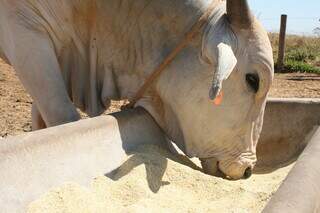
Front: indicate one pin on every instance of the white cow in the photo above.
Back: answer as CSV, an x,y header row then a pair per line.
x,y
83,53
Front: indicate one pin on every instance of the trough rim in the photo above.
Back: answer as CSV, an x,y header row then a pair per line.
x,y
295,100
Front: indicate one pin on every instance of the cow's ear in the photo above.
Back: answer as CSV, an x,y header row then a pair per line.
x,y
226,63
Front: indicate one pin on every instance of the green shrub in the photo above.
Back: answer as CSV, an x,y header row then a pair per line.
x,y
298,66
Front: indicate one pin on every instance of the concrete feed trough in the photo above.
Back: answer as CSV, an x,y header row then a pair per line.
x,y
288,126
300,192
79,152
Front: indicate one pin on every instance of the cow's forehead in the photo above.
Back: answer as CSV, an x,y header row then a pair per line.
x,y
255,44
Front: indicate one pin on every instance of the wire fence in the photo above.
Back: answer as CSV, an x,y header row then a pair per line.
x,y
302,25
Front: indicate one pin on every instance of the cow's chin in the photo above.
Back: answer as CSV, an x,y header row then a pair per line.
x,y
234,170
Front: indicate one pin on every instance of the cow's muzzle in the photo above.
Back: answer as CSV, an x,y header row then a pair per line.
x,y
234,170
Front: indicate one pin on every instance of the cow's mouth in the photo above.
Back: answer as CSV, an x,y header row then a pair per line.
x,y
211,166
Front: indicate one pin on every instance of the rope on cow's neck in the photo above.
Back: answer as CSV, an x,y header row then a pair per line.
x,y
156,73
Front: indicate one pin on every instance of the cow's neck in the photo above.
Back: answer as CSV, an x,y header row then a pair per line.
x,y
158,101
120,43
141,35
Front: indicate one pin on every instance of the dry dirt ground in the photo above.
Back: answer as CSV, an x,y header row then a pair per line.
x,y
181,189
15,104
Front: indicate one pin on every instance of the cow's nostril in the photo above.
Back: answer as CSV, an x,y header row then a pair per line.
x,y
247,173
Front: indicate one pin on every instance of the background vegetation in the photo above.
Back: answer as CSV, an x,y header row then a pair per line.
x,y
302,53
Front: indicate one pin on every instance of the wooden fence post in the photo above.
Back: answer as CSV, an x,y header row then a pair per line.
x,y
282,43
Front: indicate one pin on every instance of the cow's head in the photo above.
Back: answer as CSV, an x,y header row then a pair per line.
x,y
211,99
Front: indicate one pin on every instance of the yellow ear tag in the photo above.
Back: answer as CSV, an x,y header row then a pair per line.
x,y
218,99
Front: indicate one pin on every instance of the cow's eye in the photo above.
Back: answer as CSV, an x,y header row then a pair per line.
x,y
253,81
